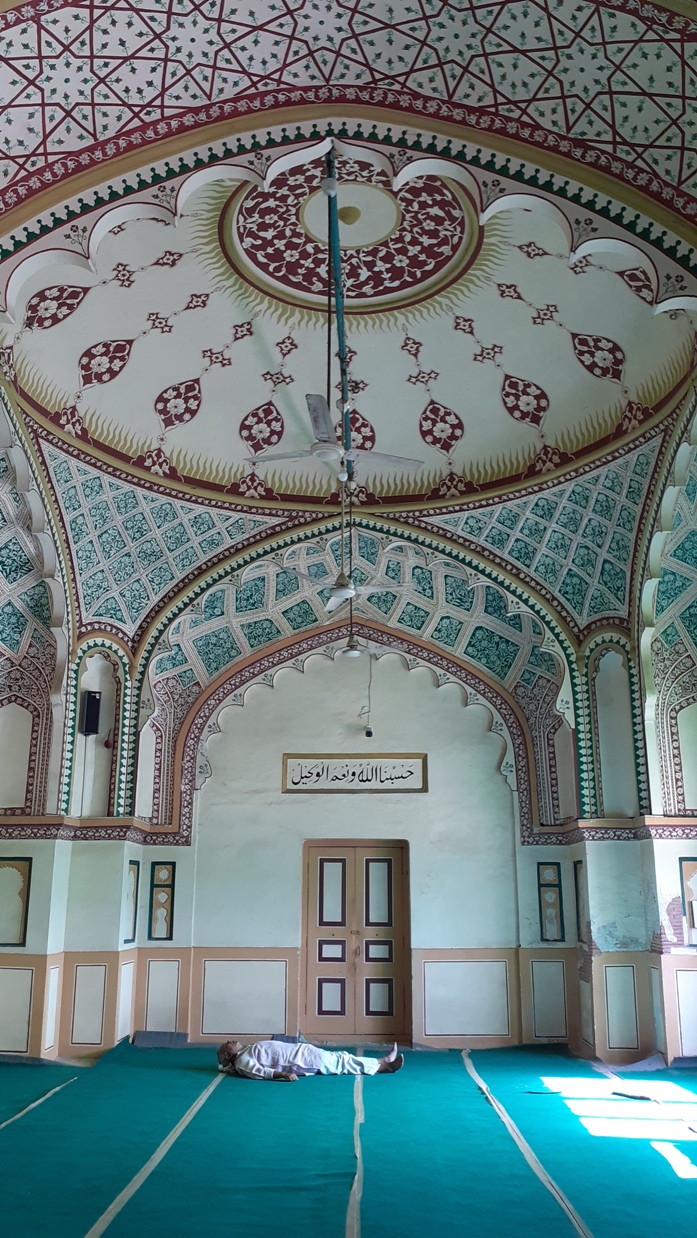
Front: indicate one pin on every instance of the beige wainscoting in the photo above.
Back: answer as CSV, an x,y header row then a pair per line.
x,y
548,994
465,999
623,1012
679,977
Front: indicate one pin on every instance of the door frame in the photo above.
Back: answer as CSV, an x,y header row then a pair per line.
x,y
403,845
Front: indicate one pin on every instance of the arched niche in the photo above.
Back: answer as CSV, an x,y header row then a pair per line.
x,y
687,736
564,742
16,734
508,720
614,734
94,765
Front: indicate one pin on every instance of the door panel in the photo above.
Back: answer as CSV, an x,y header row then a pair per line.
x,y
357,962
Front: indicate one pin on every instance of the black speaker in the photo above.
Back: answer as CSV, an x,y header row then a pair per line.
x,y
88,723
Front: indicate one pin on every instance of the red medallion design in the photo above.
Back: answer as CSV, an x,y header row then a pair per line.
x,y
52,305
155,461
70,419
262,427
523,400
633,414
178,403
599,355
440,427
103,362
429,232
639,282
547,460
362,433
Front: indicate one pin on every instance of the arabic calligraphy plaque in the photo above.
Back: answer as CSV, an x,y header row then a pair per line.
x,y
357,772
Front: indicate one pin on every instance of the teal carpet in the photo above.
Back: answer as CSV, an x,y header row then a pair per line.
x,y
22,1085
621,1186
259,1160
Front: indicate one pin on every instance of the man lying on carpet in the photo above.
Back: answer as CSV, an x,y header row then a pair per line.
x,y
274,1059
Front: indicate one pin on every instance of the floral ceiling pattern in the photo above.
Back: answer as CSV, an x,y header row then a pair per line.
x,y
609,84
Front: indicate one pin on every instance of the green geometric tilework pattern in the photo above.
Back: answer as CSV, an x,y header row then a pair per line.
x,y
575,540
676,593
415,594
25,610
130,547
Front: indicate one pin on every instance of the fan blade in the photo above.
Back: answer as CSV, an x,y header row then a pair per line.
x,y
398,462
335,603
332,615
382,588
279,455
321,418
314,580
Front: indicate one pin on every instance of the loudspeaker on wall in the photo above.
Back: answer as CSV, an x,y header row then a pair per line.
x,y
88,723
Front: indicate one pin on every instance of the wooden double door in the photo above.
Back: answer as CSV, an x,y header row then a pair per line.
x,y
357,962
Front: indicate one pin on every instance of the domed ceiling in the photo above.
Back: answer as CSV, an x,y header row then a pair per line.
x,y
516,184
484,350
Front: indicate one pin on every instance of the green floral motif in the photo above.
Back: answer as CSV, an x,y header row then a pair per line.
x,y
492,651
508,517
423,581
613,481
413,617
148,552
123,569
317,571
447,631
250,595
136,526
627,518
596,532
162,514
94,587
635,490
299,616
543,660
393,570
79,528
186,678
585,559
125,502
559,543
522,551
213,542
544,508
642,465
286,584
368,548
216,650
202,523
457,593
494,603
92,488
600,604
620,547
176,537
670,586
604,506
13,625
110,609
14,563
170,661
570,519
136,598
548,569
185,558
497,538
534,529
688,618
472,526
573,589
160,577
214,604
37,602
686,550
382,601
101,514
614,580
260,632
111,542
580,496
670,635
86,557
528,677
691,489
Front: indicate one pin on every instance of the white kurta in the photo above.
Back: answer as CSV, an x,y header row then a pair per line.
x,y
259,1061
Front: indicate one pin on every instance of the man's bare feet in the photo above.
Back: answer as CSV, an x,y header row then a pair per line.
x,y
394,1060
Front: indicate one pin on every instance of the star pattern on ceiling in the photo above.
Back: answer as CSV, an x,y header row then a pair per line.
x,y
609,85
574,542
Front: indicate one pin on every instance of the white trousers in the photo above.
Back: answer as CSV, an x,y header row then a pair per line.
x,y
346,1064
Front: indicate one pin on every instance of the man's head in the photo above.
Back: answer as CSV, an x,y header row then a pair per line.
x,y
227,1054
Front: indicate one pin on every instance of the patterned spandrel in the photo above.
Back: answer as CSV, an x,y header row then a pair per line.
x,y
605,85
676,593
444,603
27,645
130,547
576,540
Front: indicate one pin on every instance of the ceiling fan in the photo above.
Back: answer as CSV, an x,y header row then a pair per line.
x,y
327,447
329,450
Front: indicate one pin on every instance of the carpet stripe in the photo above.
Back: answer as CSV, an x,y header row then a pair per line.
x,y
536,1165
34,1103
129,1191
353,1212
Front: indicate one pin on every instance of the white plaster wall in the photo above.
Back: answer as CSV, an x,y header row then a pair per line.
x,y
94,900
687,731
42,880
616,896
667,854
15,746
617,769
146,771
249,836
90,785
